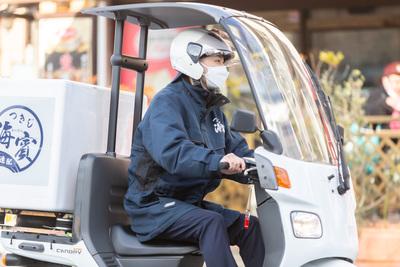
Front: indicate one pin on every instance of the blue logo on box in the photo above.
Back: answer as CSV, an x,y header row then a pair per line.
x,y
21,138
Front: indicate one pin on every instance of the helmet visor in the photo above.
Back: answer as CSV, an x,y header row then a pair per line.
x,y
226,54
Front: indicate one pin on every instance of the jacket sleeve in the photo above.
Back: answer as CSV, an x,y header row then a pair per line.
x,y
237,145
167,141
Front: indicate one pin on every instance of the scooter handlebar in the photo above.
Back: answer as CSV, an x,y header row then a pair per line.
x,y
223,166
248,161
250,168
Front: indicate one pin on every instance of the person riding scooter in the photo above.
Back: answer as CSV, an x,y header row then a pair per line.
x,y
176,154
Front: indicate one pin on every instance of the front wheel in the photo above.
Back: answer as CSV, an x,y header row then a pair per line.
x,y
329,263
42,264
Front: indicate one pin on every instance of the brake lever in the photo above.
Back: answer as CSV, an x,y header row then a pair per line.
x,y
246,171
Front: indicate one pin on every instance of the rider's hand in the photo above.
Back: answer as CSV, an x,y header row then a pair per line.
x,y
236,164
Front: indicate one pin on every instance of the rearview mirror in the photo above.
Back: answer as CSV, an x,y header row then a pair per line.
x,y
244,121
271,142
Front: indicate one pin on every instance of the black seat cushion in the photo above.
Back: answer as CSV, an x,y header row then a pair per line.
x,y
126,243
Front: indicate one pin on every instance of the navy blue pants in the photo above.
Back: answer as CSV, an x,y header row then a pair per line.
x,y
207,229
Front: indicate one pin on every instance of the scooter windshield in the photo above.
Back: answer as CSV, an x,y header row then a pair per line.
x,y
284,91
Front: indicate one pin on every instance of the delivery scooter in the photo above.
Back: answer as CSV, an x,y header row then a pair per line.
x,y
305,201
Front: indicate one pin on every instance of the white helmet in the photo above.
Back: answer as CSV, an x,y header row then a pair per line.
x,y
190,45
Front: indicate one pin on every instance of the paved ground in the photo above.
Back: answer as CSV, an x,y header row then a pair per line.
x,y
238,259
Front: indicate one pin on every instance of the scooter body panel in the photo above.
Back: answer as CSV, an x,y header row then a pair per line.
x,y
165,261
71,255
312,192
78,255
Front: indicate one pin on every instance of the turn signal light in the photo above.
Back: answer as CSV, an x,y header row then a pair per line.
x,y
282,177
3,260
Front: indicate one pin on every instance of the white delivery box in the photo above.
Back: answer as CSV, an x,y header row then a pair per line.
x,y
45,128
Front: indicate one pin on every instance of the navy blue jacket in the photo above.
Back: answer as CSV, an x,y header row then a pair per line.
x,y
175,156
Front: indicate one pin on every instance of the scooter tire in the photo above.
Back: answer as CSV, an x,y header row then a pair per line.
x,y
41,264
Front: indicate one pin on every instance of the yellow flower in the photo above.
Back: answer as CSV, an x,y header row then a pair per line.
x,y
323,56
356,72
330,58
338,58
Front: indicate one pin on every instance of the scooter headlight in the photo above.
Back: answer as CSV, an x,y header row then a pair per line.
x,y
306,225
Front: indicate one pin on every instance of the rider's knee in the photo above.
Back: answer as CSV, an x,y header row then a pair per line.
x,y
214,219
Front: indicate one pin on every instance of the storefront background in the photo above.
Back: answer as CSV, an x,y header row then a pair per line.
x,y
52,39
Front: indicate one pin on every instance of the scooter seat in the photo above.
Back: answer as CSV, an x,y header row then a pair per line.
x,y
126,243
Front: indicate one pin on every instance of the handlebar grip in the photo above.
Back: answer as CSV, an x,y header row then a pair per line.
x,y
224,165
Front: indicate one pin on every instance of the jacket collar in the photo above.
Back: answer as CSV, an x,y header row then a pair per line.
x,y
201,96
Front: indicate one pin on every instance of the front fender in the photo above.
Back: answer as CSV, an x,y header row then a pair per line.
x,y
329,263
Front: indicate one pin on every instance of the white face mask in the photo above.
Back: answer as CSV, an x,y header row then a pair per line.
x,y
216,77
